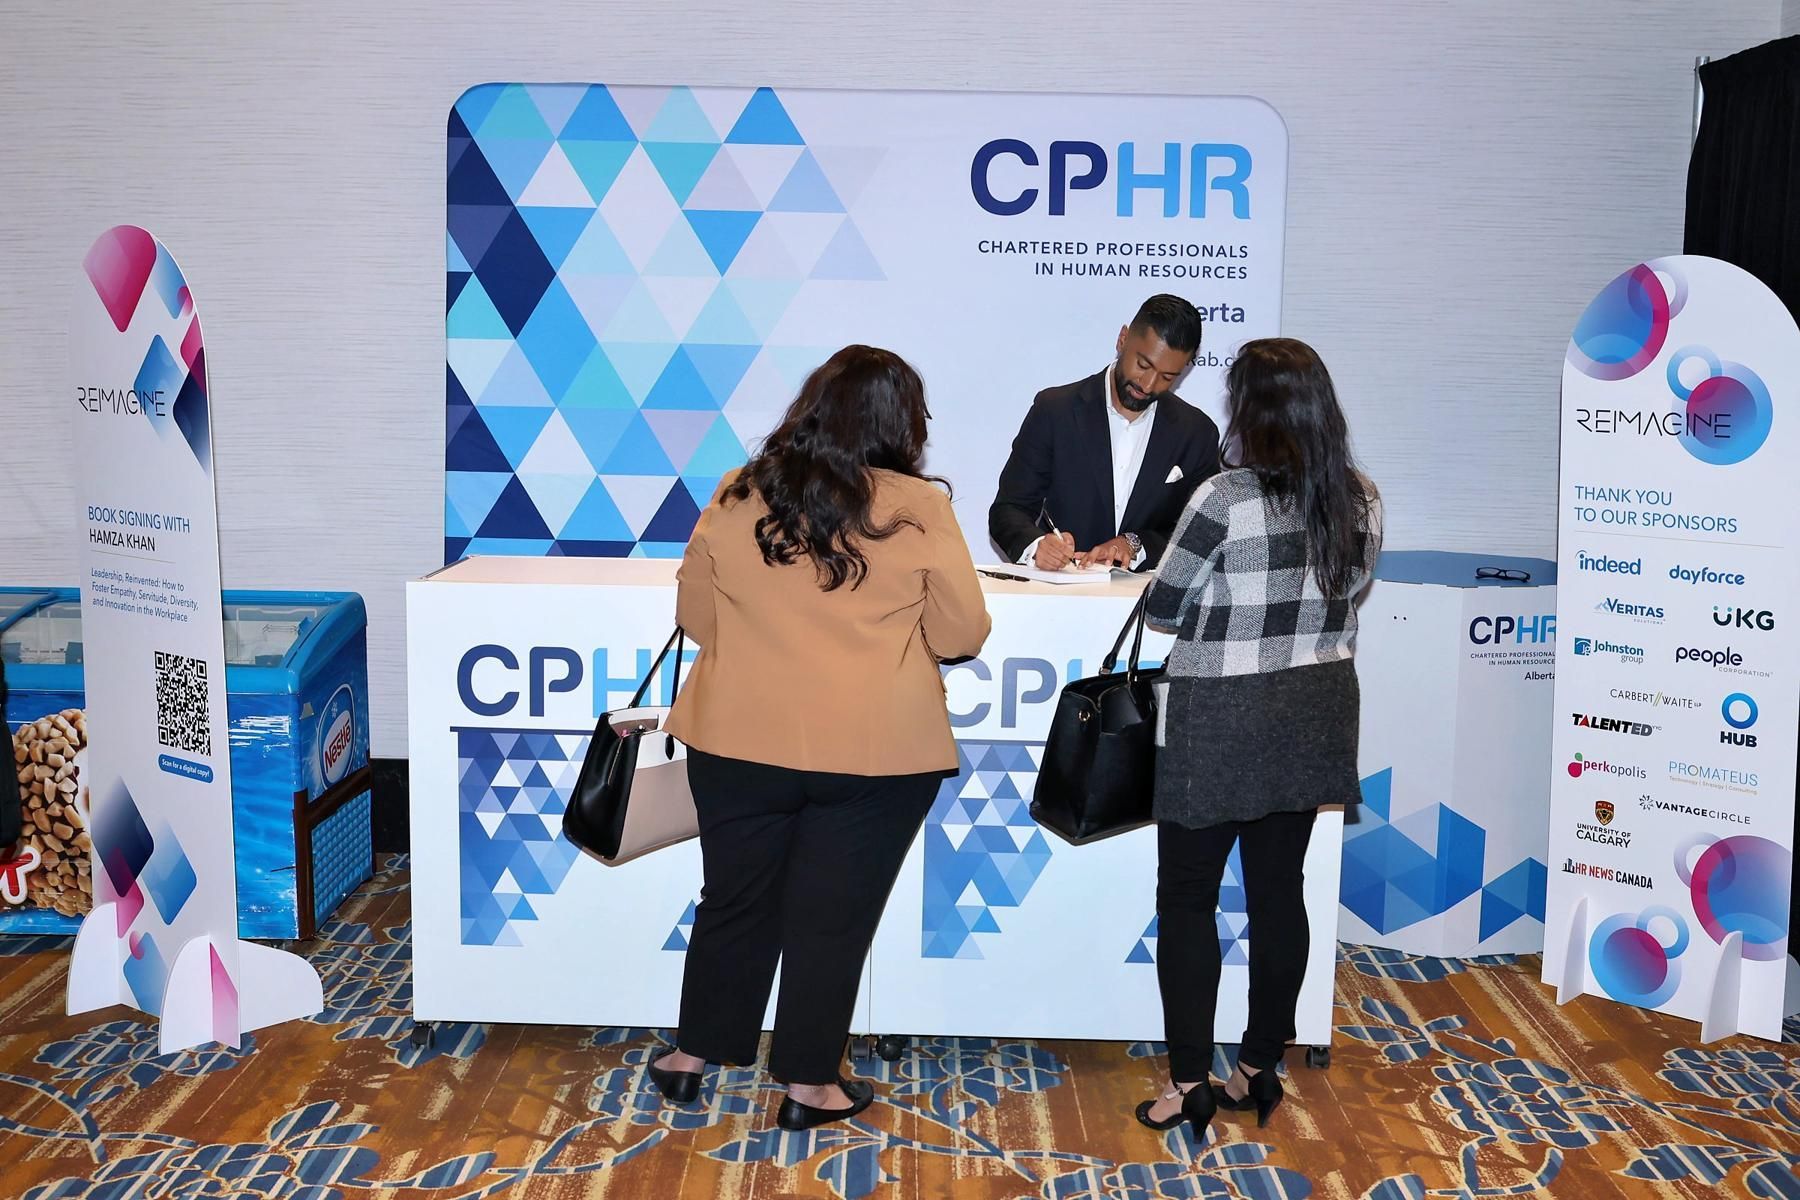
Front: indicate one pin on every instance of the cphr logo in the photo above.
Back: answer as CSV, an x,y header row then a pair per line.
x,y
1491,631
1082,166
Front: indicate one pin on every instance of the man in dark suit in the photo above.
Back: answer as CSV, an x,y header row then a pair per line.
x,y
1102,468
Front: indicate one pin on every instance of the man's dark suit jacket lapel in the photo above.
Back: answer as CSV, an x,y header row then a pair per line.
x,y
1091,419
1159,455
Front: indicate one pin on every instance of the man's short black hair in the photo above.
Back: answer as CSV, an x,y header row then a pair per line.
x,y
1174,320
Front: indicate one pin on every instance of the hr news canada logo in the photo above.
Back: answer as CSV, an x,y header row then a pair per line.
x,y
1581,766
1609,874
1612,725
1740,712
1584,647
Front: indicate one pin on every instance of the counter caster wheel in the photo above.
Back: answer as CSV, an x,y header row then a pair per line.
x,y
862,1049
1318,1057
890,1047
423,1035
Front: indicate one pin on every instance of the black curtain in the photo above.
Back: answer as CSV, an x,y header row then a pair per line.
x,y
1743,189
1743,198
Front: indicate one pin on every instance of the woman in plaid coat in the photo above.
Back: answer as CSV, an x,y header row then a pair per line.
x,y
1258,722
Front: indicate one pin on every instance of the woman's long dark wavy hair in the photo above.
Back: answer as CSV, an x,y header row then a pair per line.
x,y
1287,427
864,408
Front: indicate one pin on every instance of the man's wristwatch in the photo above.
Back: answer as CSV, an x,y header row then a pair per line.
x,y
1136,543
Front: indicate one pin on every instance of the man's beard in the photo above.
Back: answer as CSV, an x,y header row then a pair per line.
x,y
1129,402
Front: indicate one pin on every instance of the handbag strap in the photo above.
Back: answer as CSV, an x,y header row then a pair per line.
x,y
678,640
1134,625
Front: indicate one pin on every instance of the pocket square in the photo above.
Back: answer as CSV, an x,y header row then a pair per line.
x,y
1174,475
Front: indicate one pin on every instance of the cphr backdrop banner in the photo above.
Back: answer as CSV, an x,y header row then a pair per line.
x,y
1678,667
641,277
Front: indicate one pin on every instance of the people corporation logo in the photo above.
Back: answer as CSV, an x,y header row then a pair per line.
x,y
1581,765
1589,647
1740,712
1612,725
1647,614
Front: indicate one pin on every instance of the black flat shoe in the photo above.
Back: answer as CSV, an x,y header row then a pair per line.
x,y
679,1087
1197,1105
1264,1095
795,1116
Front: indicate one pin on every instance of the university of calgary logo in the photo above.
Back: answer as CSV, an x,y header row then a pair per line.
x,y
13,872
1603,811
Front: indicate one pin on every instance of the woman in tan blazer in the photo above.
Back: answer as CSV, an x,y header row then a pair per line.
x,y
824,583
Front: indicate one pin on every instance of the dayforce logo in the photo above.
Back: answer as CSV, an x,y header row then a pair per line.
x,y
1581,766
1732,617
1639,612
1612,725
1005,176
1608,566
1740,712
1698,575
1655,699
1609,874
1535,631
1630,654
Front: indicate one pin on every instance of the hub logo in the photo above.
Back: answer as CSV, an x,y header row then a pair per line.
x,y
1637,612
1588,646
1732,617
1612,725
1004,175
1712,658
1603,565
1697,575
1522,630
337,735
1581,766
1739,711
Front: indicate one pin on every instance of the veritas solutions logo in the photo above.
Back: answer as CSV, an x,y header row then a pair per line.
x,y
1648,614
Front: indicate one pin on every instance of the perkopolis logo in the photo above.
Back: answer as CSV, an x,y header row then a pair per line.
x,y
1582,766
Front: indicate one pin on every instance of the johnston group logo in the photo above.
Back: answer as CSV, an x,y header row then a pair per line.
x,y
1581,765
1600,648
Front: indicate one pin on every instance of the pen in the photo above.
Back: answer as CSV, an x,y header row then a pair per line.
x,y
1003,575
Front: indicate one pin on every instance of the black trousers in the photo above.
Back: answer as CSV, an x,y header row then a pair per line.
x,y
798,866
1190,864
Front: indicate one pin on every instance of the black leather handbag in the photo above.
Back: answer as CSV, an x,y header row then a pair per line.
x,y
632,795
1099,767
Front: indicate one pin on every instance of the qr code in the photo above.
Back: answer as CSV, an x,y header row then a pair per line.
x,y
183,721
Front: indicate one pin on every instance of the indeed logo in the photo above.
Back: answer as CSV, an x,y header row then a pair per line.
x,y
1693,575
1712,658
1608,566
1619,608
1081,166
1743,618
1487,631
1740,712
1582,766
1612,725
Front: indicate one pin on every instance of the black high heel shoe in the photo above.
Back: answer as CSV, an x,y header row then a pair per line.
x,y
679,1087
795,1116
1197,1106
1263,1093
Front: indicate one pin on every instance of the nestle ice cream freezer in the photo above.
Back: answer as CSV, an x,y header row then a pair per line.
x,y
296,682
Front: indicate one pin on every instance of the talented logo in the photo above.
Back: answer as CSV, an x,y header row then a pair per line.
x,y
1648,613
1602,565
337,735
1706,775
1733,617
1005,176
1520,630
1588,646
1612,725
1655,699
1740,712
1609,874
1582,766
1603,811
1698,575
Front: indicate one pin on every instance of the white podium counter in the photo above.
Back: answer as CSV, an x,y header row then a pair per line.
x,y
995,928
